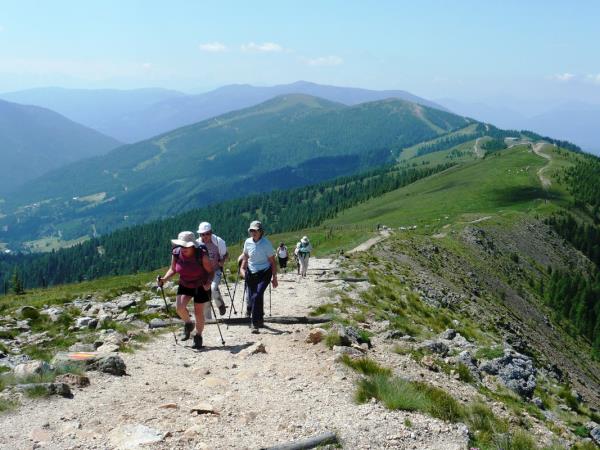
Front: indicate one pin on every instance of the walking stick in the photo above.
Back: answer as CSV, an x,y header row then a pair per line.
x,y
229,292
166,304
269,299
217,322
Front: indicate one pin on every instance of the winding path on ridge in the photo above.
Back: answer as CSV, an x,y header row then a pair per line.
x,y
537,149
293,391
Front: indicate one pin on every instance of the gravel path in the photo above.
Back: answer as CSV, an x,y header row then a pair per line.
x,y
294,390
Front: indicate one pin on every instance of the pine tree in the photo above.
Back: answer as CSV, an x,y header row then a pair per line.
x,y
17,283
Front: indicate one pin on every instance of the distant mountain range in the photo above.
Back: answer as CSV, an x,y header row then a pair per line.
x,y
134,115
573,121
291,140
35,140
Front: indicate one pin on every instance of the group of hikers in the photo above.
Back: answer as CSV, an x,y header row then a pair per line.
x,y
199,263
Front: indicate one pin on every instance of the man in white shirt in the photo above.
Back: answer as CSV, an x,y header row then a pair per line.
x,y
217,254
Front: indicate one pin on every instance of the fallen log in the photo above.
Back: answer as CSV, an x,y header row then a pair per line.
x,y
303,444
347,279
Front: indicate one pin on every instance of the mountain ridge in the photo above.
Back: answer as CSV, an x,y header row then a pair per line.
x,y
35,140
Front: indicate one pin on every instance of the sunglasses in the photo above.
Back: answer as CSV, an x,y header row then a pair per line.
x,y
206,234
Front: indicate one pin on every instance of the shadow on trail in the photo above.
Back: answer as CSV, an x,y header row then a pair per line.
x,y
233,349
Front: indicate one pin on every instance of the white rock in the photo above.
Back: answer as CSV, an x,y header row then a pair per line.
x,y
132,436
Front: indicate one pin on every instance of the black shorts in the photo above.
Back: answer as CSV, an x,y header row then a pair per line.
x,y
199,294
283,262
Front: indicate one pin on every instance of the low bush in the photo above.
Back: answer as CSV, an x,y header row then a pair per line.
x,y
365,366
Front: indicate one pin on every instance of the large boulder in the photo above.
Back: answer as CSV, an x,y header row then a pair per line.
x,y
515,371
112,364
28,312
31,368
434,346
595,434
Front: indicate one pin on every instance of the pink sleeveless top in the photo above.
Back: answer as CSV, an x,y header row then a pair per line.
x,y
190,270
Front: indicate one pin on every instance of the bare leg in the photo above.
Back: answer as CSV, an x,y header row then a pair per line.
x,y
199,313
182,312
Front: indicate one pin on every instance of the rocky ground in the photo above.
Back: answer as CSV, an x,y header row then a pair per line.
x,y
256,391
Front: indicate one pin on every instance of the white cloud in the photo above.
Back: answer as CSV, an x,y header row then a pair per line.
x,y
324,61
265,47
594,78
213,47
147,66
563,77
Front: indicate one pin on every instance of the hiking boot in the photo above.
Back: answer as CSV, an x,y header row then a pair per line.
x,y
222,309
197,341
188,327
255,330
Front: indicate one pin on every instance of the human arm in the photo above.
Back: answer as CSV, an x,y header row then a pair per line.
x,y
170,272
208,268
273,271
243,263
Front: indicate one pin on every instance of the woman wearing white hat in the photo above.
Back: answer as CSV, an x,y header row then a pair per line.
x,y
304,254
190,261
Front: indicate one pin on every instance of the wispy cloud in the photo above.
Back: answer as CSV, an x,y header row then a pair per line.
x,y
265,47
324,61
594,78
213,47
564,77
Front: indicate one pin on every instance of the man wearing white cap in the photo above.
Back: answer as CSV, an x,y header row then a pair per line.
x,y
217,254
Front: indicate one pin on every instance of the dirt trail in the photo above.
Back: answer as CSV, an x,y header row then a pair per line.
x,y
537,149
294,390
383,234
477,149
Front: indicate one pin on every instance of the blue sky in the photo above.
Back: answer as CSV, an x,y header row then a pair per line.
x,y
460,49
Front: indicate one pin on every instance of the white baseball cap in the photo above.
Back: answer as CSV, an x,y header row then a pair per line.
x,y
204,227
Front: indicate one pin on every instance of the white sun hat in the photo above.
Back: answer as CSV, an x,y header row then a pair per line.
x,y
185,239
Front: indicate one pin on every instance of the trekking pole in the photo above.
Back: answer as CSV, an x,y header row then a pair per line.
x,y
166,304
269,299
229,292
217,322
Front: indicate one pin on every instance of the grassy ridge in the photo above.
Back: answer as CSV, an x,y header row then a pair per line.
x,y
504,181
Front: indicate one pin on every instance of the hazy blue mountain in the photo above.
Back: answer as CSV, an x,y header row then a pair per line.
x,y
287,141
105,110
179,111
35,140
574,121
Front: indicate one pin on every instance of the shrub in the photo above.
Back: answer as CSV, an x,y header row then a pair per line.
x,y
365,366
464,374
489,353
332,339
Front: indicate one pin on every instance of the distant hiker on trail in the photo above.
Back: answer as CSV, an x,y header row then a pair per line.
x,y
217,254
258,269
282,256
190,260
303,252
298,244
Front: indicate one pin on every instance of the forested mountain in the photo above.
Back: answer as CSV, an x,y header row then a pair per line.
x,y
135,115
120,252
289,141
35,140
109,111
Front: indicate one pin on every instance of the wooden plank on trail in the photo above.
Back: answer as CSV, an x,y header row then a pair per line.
x,y
349,280
279,319
311,442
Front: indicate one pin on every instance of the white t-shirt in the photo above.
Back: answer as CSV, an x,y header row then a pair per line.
x,y
282,252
